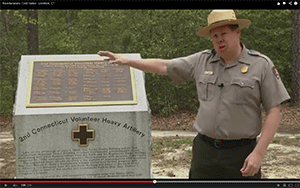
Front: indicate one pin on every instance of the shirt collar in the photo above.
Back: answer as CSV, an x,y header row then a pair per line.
x,y
215,57
243,58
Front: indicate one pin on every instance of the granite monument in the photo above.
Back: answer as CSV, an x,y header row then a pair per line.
x,y
79,116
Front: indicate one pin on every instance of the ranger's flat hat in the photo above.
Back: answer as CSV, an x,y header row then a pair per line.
x,y
219,18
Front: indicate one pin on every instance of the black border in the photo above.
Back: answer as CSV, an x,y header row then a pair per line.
x,y
149,4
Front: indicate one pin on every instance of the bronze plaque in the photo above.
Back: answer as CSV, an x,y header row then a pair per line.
x,y
80,83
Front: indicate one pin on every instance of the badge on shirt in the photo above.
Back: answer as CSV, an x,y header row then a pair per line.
x,y
275,72
244,69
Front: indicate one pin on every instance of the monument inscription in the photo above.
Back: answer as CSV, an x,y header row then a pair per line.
x,y
43,162
78,83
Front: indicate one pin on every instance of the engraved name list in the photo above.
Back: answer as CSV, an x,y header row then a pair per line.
x,y
78,83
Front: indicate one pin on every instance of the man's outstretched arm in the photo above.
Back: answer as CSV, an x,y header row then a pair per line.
x,y
158,66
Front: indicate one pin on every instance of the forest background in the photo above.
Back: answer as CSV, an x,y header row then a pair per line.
x,y
152,33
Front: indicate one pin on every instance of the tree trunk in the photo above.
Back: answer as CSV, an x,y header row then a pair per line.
x,y
32,32
295,85
10,51
69,19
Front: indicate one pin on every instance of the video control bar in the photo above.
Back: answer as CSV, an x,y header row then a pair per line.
x,y
148,183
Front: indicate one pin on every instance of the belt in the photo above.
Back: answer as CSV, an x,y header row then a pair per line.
x,y
227,143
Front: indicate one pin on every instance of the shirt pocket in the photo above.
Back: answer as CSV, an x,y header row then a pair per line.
x,y
241,89
206,87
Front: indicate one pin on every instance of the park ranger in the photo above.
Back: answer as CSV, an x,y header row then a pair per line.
x,y
232,83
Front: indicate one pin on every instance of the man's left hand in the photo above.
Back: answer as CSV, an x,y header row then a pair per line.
x,y
252,164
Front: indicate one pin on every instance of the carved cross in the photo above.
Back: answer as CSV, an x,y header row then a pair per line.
x,y
83,135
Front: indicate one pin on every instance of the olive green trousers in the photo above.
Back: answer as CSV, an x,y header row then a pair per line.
x,y
209,162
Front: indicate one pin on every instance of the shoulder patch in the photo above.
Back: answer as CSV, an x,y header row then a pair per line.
x,y
275,72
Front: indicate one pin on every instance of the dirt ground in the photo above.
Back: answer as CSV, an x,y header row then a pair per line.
x,y
172,155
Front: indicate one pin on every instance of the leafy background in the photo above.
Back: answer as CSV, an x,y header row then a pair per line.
x,y
152,33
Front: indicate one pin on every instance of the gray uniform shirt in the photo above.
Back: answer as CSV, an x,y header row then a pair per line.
x,y
230,95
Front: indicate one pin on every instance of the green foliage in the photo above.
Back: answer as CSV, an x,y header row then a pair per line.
x,y
152,33
56,34
13,45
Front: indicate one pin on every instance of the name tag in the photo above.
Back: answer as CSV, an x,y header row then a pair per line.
x,y
208,72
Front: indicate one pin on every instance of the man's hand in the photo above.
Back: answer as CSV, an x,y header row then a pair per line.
x,y
253,161
115,59
252,164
